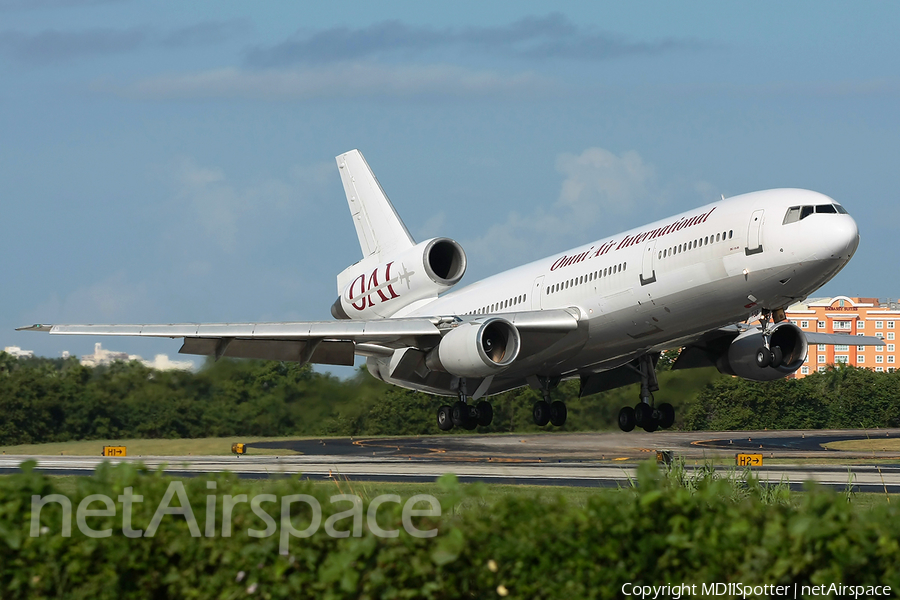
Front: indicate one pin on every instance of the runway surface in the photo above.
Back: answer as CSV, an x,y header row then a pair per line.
x,y
579,459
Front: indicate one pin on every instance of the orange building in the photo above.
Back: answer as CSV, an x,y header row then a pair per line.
x,y
852,316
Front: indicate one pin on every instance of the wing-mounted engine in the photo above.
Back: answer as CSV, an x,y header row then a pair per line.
x,y
476,349
787,351
377,290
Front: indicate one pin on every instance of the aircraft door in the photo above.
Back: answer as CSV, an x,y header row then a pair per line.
x,y
754,233
537,293
648,263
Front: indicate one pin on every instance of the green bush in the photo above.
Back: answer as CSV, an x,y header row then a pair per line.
x,y
45,400
524,545
839,398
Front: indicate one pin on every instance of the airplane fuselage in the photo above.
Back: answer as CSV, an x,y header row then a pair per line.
x,y
649,288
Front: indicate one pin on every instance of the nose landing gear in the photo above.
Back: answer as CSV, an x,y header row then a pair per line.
x,y
769,355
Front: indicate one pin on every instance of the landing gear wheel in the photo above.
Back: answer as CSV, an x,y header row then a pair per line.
x,y
459,414
471,418
777,356
763,357
485,413
558,413
541,413
651,425
626,419
444,418
666,415
643,414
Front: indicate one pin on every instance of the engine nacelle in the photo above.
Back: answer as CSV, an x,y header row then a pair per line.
x,y
423,271
740,359
476,349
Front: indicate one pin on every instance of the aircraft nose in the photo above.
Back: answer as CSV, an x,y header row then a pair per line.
x,y
841,237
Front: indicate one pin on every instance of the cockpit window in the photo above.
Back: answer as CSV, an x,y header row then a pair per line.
x,y
798,213
792,216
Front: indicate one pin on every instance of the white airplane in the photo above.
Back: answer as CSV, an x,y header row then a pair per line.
x,y
714,281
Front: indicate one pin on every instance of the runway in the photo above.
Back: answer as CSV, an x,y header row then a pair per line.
x,y
578,459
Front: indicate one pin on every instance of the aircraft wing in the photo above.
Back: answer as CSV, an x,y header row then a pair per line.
x,y
321,342
729,332
837,339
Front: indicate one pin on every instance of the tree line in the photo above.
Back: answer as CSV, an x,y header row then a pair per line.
x,y
52,400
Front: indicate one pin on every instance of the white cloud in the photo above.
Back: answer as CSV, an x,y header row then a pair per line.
x,y
226,212
116,298
345,80
552,36
54,46
433,227
597,182
600,188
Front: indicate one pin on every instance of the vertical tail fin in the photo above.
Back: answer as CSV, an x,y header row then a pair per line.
x,y
379,228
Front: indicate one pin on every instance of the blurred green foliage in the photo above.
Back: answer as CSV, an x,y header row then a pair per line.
x,y
44,400
838,398
664,529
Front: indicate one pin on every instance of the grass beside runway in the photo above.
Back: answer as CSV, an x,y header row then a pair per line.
x,y
173,447
222,447
150,447
874,444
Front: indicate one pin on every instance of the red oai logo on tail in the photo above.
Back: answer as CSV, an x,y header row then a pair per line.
x,y
360,292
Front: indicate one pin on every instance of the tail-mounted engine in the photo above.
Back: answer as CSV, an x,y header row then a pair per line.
x,y
785,354
423,271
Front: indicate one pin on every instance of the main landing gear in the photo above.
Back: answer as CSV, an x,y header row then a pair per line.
x,y
462,414
645,414
545,411
769,355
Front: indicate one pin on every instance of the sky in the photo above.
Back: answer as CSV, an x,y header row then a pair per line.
x,y
172,161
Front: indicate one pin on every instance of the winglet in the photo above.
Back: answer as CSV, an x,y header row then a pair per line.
x,y
378,226
35,327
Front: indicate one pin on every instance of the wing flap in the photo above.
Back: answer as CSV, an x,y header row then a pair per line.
x,y
323,353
